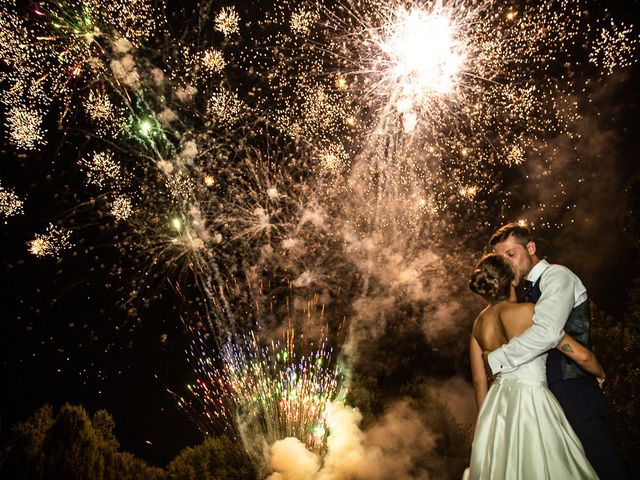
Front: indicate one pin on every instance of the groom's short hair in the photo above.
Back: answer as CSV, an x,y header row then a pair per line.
x,y
520,234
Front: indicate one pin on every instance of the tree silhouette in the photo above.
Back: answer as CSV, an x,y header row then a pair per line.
x,y
103,425
218,458
22,457
617,345
71,446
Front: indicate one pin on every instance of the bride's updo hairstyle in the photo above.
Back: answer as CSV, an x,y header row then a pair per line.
x,y
492,278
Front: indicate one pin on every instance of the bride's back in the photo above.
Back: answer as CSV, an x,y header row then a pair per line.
x,y
500,322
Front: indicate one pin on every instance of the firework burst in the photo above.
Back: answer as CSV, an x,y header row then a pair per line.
x,y
265,391
51,243
448,92
10,203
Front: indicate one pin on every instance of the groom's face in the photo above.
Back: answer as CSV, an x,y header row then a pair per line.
x,y
519,256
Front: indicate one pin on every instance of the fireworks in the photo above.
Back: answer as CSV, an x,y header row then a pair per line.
x,y
324,142
180,185
269,392
121,208
68,41
424,52
102,170
446,94
209,180
225,107
108,118
25,127
470,70
10,203
50,243
303,20
333,158
227,21
98,106
411,56
614,47
213,61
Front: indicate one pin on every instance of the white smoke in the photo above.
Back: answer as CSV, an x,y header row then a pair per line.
x,y
290,460
458,395
189,151
291,243
304,280
419,282
166,116
158,77
198,224
273,193
446,317
165,166
315,215
400,446
185,94
125,71
122,45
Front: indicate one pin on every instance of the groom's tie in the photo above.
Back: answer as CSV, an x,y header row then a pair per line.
x,y
528,291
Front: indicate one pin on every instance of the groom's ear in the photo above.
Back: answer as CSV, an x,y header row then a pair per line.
x,y
531,247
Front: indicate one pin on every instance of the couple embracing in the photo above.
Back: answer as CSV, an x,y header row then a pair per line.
x,y
544,414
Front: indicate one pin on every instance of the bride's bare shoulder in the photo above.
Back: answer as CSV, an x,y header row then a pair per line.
x,y
481,319
515,308
483,314
512,310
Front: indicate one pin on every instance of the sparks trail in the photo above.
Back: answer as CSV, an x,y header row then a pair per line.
x,y
265,386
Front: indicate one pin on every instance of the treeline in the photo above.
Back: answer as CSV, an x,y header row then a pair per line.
x,y
617,345
73,445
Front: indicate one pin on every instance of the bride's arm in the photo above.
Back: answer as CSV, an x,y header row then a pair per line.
x,y
581,355
479,374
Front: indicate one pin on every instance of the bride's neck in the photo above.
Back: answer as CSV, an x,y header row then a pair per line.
x,y
512,298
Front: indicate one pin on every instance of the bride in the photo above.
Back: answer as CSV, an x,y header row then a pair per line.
x,y
521,431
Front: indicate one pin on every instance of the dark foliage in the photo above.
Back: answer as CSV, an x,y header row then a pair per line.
x,y
218,458
617,346
70,446
73,446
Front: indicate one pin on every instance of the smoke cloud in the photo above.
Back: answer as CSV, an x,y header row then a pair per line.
x,y
403,444
291,460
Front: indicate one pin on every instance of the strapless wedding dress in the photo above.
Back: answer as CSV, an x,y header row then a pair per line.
x,y
522,432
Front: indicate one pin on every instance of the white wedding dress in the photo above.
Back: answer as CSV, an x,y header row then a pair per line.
x,y
522,432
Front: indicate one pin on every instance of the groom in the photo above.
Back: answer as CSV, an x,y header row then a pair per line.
x,y
561,306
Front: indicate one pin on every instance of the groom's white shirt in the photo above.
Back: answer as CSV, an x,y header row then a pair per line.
x,y
561,290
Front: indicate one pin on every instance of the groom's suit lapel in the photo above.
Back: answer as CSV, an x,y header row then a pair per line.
x,y
531,292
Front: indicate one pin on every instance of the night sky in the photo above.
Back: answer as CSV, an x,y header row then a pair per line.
x,y
73,332
69,338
